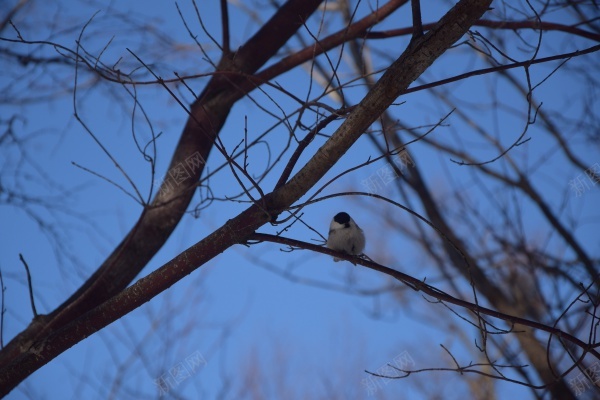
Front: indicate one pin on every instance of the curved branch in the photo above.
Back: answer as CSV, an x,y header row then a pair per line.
x,y
511,25
432,291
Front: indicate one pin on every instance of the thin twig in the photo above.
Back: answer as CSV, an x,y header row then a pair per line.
x,y
416,19
35,314
225,25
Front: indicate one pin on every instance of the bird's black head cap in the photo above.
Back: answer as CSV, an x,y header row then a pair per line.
x,y
342,218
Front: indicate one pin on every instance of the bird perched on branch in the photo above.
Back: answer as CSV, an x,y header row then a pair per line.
x,y
345,236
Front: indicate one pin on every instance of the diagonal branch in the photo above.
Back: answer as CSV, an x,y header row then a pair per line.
x,y
434,292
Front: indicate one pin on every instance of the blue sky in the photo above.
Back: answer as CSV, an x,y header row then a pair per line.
x,y
235,312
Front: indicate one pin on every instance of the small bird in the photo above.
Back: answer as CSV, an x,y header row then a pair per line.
x,y
345,235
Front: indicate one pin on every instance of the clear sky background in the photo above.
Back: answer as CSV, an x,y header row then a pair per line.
x,y
292,319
